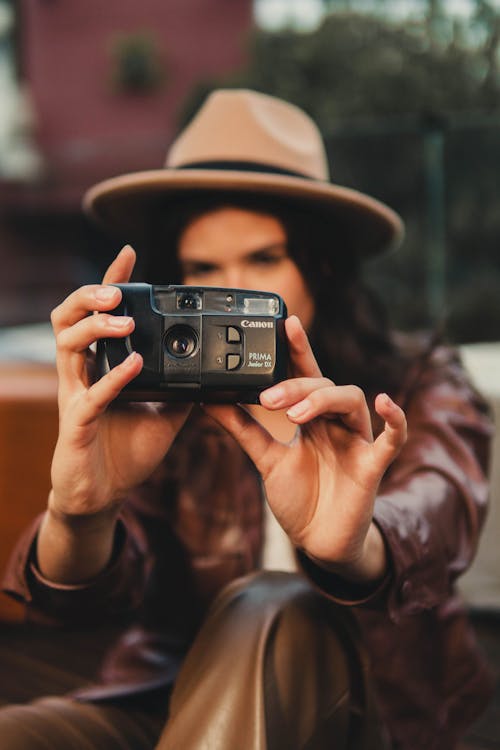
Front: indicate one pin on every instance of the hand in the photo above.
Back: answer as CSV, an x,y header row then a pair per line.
x,y
322,485
101,453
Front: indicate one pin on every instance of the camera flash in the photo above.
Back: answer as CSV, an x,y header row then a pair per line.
x,y
256,306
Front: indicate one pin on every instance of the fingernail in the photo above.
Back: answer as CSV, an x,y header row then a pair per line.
x,y
118,321
131,359
105,293
299,409
388,400
274,396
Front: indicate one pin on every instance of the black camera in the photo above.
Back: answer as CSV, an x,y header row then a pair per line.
x,y
202,344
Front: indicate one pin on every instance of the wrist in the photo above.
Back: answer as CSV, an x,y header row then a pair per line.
x,y
80,522
75,548
369,567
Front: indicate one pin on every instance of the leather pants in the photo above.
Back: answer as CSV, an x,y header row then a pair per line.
x,y
275,666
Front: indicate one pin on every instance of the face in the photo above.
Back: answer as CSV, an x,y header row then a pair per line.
x,y
234,247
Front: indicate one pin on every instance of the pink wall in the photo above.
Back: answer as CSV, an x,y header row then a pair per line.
x,y
85,126
88,132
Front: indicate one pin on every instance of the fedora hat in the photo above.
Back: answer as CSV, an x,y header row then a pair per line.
x,y
243,141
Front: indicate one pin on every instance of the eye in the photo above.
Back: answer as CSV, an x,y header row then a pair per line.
x,y
267,257
197,268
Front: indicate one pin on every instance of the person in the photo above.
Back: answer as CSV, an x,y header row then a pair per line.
x,y
156,515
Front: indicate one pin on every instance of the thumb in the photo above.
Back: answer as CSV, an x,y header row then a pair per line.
x,y
391,440
255,440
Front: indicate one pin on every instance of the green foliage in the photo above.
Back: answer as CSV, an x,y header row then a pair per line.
x,y
365,66
378,90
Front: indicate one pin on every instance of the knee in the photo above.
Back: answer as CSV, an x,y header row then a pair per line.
x,y
267,589
284,602
265,594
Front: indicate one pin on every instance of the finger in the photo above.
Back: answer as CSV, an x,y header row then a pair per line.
x,y
391,440
120,270
104,391
73,342
252,436
83,301
81,335
347,403
95,297
78,337
289,392
302,359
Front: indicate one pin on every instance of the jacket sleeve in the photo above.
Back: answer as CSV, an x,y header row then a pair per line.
x,y
117,589
433,500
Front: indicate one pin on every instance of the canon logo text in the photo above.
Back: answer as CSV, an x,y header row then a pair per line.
x,y
257,324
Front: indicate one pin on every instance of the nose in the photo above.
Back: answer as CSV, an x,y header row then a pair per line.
x,y
233,276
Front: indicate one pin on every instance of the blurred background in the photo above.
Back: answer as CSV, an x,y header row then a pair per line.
x,y
406,92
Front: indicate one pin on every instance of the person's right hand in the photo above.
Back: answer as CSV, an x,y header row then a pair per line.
x,y
101,452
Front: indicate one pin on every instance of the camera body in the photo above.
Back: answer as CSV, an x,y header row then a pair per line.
x,y
200,344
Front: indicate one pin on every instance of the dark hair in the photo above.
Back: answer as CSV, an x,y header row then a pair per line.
x,y
350,335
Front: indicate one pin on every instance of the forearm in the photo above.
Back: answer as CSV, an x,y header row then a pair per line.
x,y
75,549
428,531
370,567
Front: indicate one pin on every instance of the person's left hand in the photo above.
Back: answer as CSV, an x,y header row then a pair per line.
x,y
322,485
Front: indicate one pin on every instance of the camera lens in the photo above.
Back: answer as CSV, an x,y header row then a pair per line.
x,y
181,342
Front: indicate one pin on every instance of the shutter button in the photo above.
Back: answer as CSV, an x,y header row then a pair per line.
x,y
233,361
233,336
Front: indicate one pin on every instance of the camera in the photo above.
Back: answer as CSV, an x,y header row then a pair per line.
x,y
200,344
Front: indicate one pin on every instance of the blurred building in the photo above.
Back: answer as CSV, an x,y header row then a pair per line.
x,y
89,90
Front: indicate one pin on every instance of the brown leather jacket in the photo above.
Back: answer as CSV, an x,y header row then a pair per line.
x,y
197,524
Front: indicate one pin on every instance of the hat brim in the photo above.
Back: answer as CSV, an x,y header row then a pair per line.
x,y
126,205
